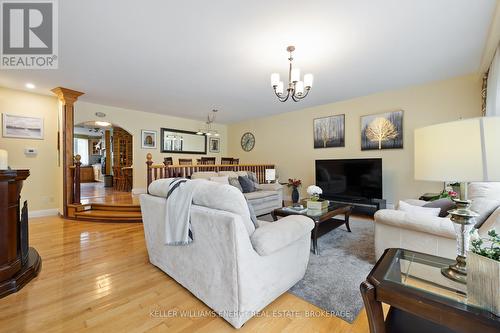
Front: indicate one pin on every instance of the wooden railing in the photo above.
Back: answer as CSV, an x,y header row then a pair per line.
x,y
159,171
74,196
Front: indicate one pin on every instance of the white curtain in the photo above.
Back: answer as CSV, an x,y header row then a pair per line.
x,y
493,88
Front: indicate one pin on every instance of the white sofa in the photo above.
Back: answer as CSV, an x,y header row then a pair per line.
x,y
267,198
434,235
233,267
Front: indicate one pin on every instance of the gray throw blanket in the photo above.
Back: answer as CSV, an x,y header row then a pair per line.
x,y
178,211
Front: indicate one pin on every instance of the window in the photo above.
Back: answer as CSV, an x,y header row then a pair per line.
x,y
81,147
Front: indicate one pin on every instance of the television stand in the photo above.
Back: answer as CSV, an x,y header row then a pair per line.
x,y
364,207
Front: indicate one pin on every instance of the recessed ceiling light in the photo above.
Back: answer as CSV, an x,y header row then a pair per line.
x,y
102,123
30,86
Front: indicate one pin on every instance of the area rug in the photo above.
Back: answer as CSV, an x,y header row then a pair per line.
x,y
332,279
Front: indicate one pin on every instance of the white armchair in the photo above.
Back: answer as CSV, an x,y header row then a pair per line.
x,y
232,267
434,235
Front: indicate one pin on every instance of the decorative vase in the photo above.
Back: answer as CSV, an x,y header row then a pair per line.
x,y
483,282
295,195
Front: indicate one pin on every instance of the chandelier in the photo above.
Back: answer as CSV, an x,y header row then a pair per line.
x,y
208,130
296,89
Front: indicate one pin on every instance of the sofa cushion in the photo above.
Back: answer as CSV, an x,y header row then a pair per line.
x,y
253,217
224,197
204,175
485,199
247,185
410,209
222,180
272,237
260,195
235,182
493,222
445,204
230,174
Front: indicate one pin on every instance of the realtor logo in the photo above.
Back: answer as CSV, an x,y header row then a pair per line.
x,y
29,34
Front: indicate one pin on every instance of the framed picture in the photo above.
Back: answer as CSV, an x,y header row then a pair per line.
x,y
329,131
214,145
148,139
382,131
22,127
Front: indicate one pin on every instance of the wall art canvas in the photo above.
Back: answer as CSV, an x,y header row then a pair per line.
x,y
329,131
22,127
148,139
382,131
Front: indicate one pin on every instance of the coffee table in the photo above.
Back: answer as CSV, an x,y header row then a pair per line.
x,y
324,220
421,298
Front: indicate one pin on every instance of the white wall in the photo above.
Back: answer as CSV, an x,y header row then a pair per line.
x,y
287,139
135,121
42,188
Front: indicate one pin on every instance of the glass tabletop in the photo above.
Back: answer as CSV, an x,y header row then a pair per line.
x,y
315,213
423,272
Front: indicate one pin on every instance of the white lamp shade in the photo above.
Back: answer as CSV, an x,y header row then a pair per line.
x,y
4,160
308,80
299,87
270,174
279,89
464,151
275,79
295,74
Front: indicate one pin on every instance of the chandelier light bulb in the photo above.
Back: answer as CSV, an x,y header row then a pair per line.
x,y
295,76
279,88
299,88
275,79
308,80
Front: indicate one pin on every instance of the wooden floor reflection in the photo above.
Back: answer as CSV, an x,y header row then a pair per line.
x,y
97,193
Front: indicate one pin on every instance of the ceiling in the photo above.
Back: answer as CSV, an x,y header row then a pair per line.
x,y
186,58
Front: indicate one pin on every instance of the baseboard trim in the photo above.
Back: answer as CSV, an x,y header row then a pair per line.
x,y
43,212
139,191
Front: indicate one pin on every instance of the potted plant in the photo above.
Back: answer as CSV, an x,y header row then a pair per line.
x,y
483,271
294,183
314,201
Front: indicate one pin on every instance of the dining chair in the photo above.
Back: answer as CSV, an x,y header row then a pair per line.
x,y
207,161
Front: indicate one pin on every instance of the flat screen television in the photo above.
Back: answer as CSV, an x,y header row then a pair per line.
x,y
350,180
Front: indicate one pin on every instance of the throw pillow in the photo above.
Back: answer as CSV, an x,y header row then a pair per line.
x,y
407,208
252,215
246,184
445,204
234,182
253,177
222,180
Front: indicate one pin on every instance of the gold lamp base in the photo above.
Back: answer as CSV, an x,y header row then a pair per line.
x,y
456,272
464,220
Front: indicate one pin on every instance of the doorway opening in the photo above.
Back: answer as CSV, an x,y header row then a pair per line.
x,y
106,162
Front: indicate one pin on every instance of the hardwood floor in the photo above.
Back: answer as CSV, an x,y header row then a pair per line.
x,y
97,193
97,277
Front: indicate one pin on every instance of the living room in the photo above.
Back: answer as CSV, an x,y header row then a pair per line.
x,y
393,131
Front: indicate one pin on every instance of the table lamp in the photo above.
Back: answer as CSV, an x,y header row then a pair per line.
x,y
4,164
464,151
270,175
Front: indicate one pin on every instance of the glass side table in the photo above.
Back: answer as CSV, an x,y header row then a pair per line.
x,y
421,298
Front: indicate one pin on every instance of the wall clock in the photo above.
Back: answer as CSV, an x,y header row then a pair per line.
x,y
247,141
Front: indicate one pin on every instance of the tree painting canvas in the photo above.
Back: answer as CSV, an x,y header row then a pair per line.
x,y
382,131
329,132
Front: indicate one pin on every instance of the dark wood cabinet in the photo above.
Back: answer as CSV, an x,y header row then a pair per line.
x,y
18,262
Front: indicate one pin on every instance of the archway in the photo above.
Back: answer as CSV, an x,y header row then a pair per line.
x,y
106,158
